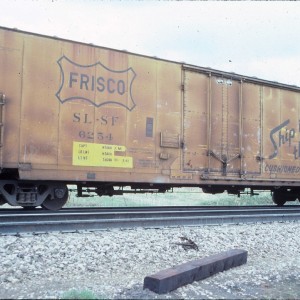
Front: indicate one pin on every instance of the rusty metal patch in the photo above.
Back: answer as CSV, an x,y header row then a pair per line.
x,y
95,83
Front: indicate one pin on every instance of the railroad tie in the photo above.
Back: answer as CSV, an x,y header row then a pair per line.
x,y
170,279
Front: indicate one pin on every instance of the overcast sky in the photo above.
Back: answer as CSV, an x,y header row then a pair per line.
x,y
260,39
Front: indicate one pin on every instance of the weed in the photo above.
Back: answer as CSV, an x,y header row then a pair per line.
x,y
84,294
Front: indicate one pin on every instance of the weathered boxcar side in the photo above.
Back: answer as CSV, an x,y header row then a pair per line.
x,y
73,113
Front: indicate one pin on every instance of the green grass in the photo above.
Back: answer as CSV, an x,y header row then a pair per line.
x,y
180,197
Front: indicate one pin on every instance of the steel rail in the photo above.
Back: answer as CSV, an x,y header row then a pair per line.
x,y
72,220
11,209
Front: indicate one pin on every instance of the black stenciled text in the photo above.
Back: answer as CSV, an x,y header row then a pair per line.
x,y
101,84
105,121
281,135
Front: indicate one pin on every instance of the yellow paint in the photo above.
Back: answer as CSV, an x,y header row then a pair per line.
x,y
100,155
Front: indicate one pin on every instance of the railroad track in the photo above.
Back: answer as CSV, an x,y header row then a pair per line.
x,y
14,221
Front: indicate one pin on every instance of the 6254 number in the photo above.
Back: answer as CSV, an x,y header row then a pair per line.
x,y
90,135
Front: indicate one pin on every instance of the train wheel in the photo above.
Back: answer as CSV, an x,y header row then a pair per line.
x,y
278,198
61,196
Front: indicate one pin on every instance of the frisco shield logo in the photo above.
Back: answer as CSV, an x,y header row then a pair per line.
x,y
95,84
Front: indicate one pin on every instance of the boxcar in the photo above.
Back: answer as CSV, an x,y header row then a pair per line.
x,y
103,119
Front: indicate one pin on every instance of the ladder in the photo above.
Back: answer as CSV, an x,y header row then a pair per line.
x,y
2,102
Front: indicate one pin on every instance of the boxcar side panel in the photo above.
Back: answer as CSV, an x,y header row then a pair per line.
x,y
251,130
39,115
280,134
141,125
169,120
11,55
196,121
90,113
76,112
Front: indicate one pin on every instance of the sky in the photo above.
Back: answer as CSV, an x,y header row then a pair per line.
x,y
252,38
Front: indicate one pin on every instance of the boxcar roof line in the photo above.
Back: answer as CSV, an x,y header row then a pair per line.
x,y
186,66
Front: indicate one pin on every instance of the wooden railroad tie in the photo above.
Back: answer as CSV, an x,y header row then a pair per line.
x,y
170,279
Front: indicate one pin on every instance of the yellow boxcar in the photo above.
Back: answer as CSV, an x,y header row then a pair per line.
x,y
74,113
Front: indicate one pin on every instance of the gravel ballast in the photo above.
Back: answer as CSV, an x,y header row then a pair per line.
x,y
113,263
